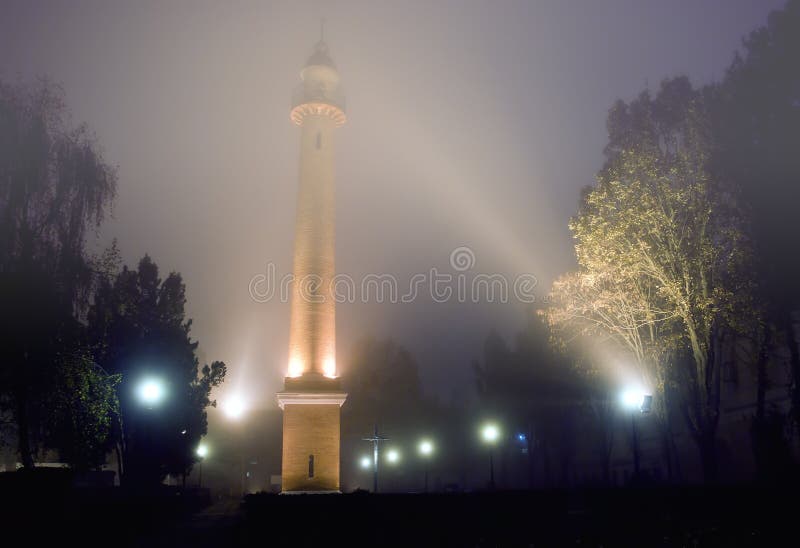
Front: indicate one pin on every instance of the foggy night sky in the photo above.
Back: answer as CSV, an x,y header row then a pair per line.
x,y
469,124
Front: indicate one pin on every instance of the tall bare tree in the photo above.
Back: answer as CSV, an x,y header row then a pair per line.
x,y
662,252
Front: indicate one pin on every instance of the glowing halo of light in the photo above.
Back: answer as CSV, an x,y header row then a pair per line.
x,y
234,406
295,367
490,433
426,448
393,456
151,391
329,367
632,398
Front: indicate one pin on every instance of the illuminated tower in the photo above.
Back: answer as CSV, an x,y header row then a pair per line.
x,y
312,396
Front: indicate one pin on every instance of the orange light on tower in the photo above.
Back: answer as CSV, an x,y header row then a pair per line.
x,y
295,367
329,368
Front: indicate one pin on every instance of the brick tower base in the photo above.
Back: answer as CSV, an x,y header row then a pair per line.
x,y
311,438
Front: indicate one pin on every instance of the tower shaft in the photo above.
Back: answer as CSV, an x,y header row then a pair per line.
x,y
312,339
312,397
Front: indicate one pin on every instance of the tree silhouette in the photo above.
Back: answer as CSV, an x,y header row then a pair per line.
x,y
756,120
139,329
54,186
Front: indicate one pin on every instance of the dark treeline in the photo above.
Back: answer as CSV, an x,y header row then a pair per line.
x,y
684,248
78,332
687,285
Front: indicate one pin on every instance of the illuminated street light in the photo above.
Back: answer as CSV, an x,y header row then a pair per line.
x,y
365,462
202,452
635,400
426,450
491,434
151,391
632,399
393,456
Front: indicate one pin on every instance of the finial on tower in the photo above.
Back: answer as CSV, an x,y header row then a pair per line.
x,y
321,55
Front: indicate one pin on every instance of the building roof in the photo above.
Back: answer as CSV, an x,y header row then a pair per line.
x,y
320,56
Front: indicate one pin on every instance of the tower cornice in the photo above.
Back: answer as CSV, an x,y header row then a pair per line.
x,y
316,108
310,398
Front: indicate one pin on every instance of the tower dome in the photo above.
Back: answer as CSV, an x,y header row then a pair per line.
x,y
319,91
321,56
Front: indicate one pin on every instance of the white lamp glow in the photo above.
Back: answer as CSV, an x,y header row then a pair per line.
x,y
425,448
151,391
632,398
490,433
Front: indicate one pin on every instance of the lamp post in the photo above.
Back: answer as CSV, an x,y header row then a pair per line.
x,y
150,391
235,407
636,400
490,434
202,452
426,450
393,459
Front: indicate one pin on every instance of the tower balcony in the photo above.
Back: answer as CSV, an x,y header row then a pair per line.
x,y
306,102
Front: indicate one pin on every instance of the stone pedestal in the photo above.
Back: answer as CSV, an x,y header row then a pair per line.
x,y
311,437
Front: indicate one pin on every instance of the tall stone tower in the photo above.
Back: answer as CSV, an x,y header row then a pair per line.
x,y
312,396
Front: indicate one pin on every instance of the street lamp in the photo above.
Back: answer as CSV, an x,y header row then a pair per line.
x,y
365,463
526,441
490,434
151,391
426,450
202,452
634,399
393,456
234,406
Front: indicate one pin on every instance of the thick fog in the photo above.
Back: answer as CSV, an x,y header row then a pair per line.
x,y
470,124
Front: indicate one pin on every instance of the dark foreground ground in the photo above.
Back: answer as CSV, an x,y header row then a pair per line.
x,y
724,516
